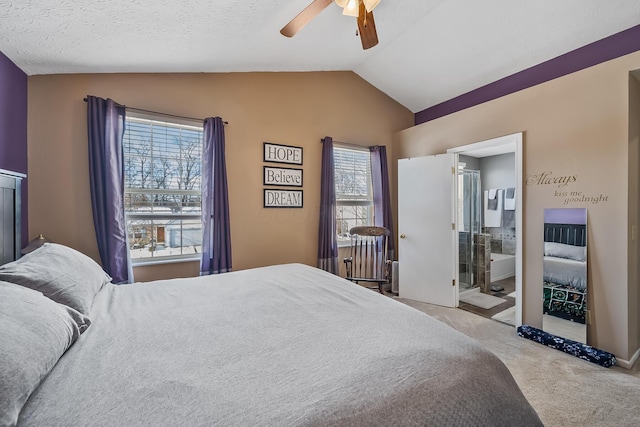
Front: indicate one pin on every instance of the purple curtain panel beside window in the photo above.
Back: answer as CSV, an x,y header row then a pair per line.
x,y
105,123
327,239
381,194
216,225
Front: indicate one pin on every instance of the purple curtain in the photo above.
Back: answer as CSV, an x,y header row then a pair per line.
x,y
216,230
327,239
105,123
381,195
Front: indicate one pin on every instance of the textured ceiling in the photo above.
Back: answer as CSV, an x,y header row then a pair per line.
x,y
430,50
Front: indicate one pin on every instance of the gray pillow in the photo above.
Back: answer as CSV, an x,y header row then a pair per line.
x,y
35,332
561,250
60,273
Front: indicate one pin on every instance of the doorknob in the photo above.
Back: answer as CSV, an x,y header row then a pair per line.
x,y
402,236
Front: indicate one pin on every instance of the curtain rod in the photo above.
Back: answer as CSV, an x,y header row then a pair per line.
x,y
159,113
350,144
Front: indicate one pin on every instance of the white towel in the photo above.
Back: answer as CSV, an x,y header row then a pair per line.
x,y
510,203
493,217
492,202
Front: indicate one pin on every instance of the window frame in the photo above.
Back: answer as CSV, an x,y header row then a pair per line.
x,y
163,120
355,200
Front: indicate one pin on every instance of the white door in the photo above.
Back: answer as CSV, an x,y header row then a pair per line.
x,y
427,247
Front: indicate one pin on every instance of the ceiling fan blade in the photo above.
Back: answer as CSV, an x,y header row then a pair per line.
x,y
367,28
304,17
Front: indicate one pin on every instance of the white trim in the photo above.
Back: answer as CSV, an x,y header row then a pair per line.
x,y
162,260
628,364
490,147
164,120
353,147
12,174
506,144
164,216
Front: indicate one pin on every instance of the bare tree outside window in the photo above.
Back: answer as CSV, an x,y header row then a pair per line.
x,y
163,167
352,168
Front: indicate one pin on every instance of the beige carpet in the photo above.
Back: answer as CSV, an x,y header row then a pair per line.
x,y
564,390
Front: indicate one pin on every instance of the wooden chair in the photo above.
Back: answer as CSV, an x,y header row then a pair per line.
x,y
367,261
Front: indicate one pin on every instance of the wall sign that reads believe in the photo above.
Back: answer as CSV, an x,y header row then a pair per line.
x,y
282,198
277,153
285,177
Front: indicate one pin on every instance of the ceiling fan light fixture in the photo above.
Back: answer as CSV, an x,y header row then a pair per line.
x,y
370,4
352,8
356,8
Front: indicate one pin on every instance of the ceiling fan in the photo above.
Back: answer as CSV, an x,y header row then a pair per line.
x,y
361,9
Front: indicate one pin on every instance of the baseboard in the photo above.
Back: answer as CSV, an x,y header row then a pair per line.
x,y
628,364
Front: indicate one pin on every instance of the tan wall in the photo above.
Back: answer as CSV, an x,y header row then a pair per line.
x,y
574,125
285,108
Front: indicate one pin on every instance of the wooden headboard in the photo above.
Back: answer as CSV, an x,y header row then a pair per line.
x,y
569,234
10,213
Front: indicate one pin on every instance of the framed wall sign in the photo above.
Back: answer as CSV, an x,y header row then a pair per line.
x,y
277,153
283,177
275,198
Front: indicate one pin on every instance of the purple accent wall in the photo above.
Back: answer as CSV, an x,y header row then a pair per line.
x,y
617,45
565,216
13,127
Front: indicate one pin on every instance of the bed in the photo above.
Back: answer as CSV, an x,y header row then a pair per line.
x,y
565,271
280,345
10,215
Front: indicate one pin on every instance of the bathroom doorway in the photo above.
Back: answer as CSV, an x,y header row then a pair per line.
x,y
428,221
489,209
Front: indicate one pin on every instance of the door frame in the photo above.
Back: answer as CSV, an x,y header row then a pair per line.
x,y
506,144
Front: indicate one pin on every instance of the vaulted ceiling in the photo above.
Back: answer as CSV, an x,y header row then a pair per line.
x,y
429,51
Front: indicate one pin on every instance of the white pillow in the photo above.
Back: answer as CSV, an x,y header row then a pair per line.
x,y
63,274
561,250
35,332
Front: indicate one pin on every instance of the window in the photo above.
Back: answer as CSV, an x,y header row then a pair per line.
x,y
352,168
162,168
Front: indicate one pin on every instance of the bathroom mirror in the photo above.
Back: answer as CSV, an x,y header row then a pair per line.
x,y
565,273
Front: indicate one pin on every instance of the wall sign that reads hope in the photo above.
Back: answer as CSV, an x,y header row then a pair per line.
x,y
277,153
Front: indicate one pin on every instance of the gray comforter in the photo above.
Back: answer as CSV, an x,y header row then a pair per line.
x,y
274,346
568,272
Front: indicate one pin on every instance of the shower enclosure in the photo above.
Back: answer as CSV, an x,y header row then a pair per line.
x,y
469,225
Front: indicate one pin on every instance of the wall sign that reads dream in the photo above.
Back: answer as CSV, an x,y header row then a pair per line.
x,y
276,153
282,198
284,177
